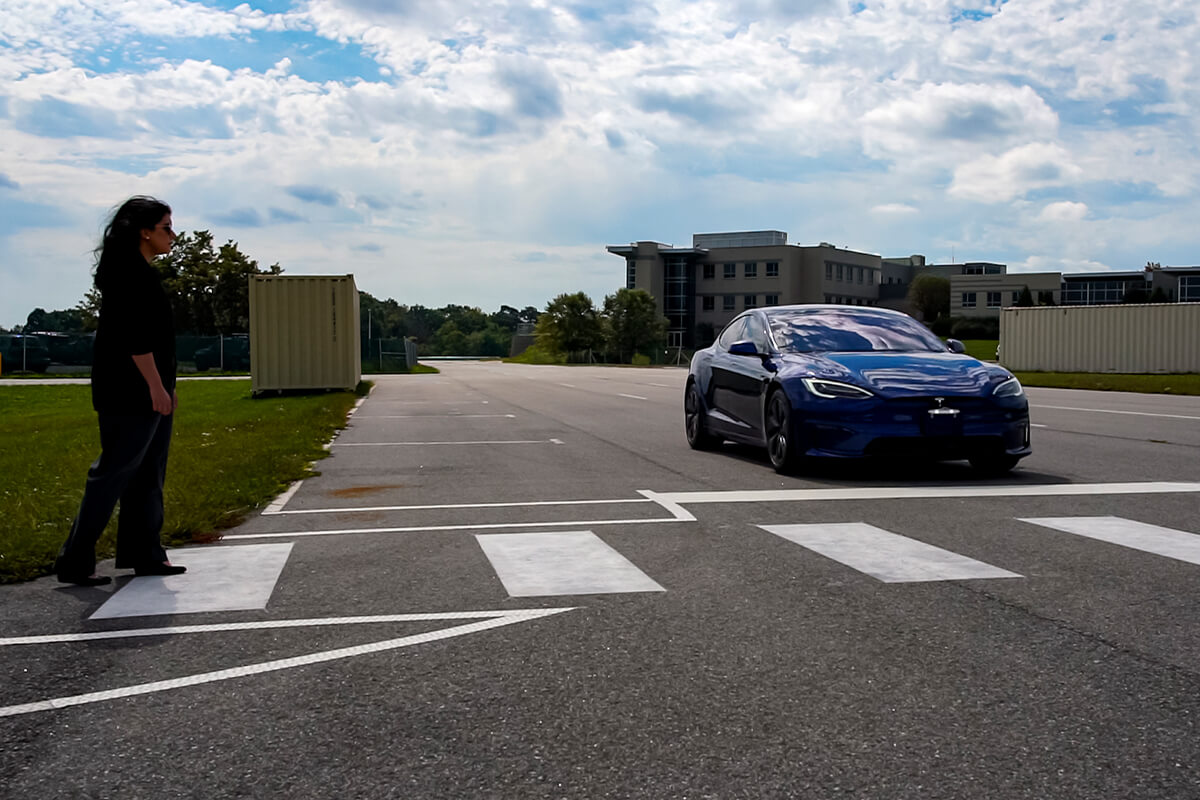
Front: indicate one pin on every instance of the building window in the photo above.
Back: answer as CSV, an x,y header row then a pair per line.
x,y
708,303
730,270
828,298
772,269
630,274
727,303
968,299
1016,298
771,300
710,271
993,299
828,271
862,274
751,269
675,339
1189,288
750,301
839,272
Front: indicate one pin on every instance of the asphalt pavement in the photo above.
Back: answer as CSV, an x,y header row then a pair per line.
x,y
518,581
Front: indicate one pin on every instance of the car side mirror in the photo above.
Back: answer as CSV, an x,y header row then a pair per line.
x,y
745,347
956,346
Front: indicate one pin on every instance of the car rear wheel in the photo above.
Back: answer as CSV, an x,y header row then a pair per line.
x,y
782,447
994,463
693,420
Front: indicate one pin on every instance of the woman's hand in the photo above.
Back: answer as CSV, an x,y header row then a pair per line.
x,y
160,401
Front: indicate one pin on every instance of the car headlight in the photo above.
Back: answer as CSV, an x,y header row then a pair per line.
x,y
835,389
1010,388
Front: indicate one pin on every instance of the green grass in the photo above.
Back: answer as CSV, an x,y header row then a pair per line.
x,y
230,454
983,349
1104,382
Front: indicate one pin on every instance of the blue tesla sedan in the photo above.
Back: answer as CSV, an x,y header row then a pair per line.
x,y
849,382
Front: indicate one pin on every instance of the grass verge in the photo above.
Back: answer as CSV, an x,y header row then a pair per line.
x,y
1152,384
230,454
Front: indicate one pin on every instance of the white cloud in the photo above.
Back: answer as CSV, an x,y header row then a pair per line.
x,y
997,179
895,209
1065,211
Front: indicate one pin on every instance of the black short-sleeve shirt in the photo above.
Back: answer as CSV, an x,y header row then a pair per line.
x,y
135,318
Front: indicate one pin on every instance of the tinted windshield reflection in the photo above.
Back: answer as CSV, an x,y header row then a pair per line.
x,y
849,331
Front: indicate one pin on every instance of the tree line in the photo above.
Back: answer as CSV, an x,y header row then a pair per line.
x,y
209,290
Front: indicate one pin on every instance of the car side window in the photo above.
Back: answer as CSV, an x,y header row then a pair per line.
x,y
732,333
755,332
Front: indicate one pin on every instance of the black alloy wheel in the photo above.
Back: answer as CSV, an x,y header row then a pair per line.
x,y
693,420
781,444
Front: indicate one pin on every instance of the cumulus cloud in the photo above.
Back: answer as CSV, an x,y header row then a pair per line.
x,y
996,179
313,194
895,209
1065,211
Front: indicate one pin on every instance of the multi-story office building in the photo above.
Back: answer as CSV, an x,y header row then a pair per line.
x,y
700,288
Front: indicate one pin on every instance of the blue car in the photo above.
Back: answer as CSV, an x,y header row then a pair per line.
x,y
850,382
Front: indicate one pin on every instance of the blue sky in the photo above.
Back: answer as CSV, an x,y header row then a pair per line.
x,y
485,152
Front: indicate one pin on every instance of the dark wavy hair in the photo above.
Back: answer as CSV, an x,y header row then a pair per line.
x,y
121,243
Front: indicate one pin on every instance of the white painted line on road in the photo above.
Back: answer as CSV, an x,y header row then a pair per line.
x,y
218,579
631,396
436,528
269,624
886,556
466,505
918,492
1111,411
433,444
1166,542
509,618
663,385
437,416
561,563
557,441
677,511
1035,425
568,385
276,505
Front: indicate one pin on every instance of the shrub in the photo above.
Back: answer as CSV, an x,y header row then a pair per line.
x,y
975,328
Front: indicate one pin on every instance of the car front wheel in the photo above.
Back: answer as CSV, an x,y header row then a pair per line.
x,y
693,420
782,447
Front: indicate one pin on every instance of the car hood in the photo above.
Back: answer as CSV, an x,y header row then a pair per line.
x,y
892,374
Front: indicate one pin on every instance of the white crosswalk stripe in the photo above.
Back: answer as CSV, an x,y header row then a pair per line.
x,y
1166,542
561,563
886,556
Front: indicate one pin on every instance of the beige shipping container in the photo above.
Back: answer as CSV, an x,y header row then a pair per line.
x,y
1152,338
304,332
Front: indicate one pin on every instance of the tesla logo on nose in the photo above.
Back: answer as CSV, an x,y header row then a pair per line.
x,y
940,409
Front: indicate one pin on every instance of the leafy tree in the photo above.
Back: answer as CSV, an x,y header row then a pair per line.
x,y
450,340
66,321
1159,295
570,324
1025,298
1134,294
633,324
930,295
1046,298
209,287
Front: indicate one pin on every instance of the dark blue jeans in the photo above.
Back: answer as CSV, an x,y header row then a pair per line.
x,y
131,469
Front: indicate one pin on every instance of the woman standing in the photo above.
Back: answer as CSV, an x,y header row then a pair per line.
x,y
133,392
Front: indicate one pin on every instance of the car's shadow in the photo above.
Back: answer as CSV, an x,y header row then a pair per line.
x,y
875,471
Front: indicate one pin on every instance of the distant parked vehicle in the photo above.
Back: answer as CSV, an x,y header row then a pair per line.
x,y
231,353
19,352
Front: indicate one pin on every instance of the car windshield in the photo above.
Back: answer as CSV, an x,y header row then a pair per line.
x,y
846,330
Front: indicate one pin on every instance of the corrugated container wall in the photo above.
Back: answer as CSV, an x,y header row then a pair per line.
x,y
1159,337
304,332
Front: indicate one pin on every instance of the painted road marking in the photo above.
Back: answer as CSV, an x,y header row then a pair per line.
x,y
505,618
561,563
436,416
1110,411
452,506
430,444
919,492
678,514
268,624
1166,542
276,505
568,385
1035,425
630,396
218,579
886,556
